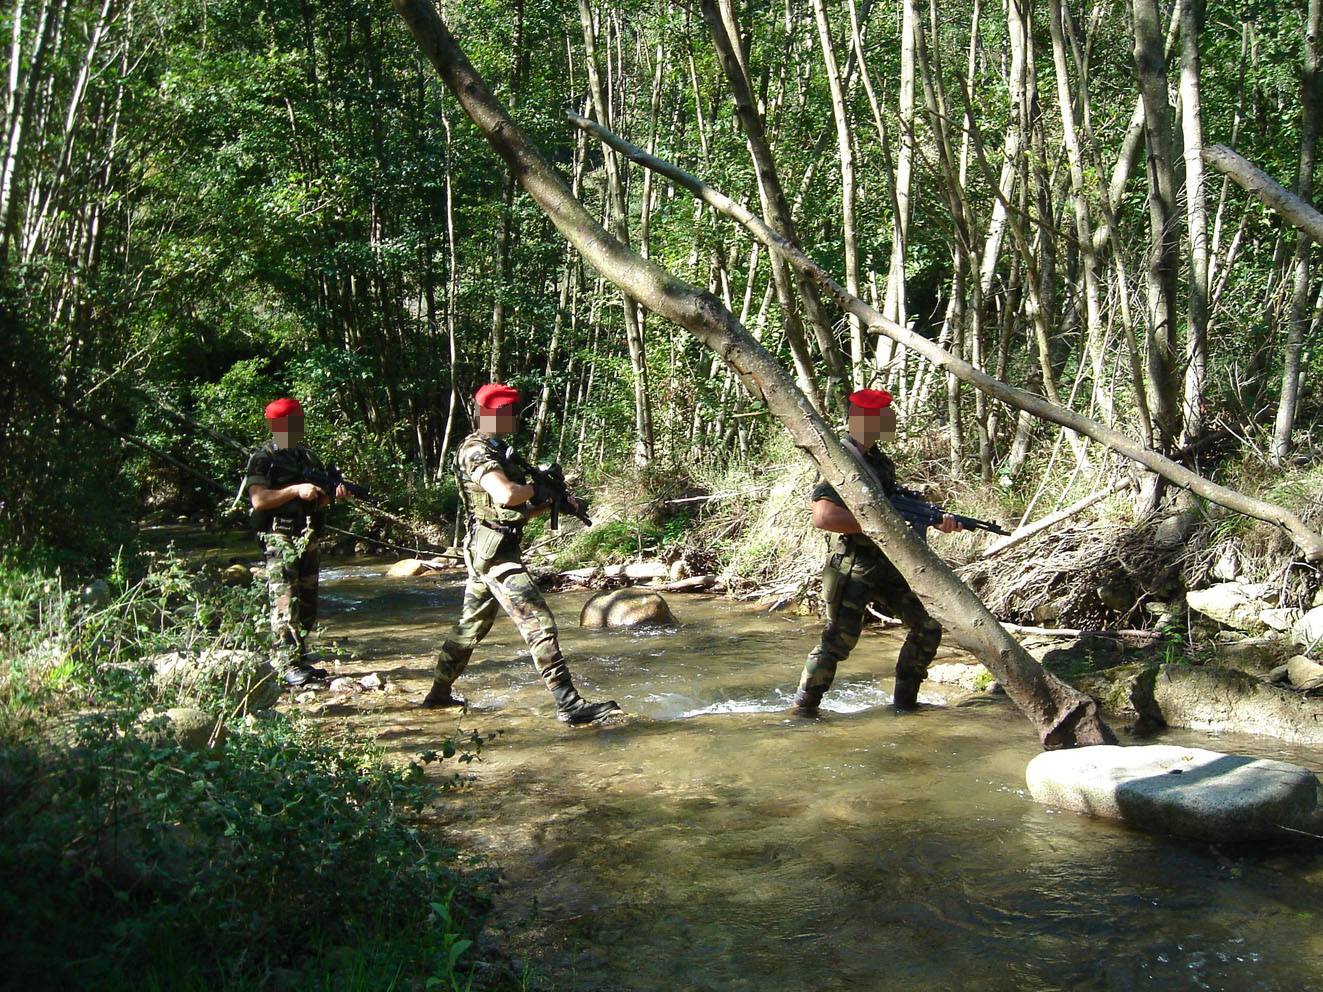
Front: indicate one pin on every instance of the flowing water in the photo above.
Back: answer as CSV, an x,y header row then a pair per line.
x,y
709,841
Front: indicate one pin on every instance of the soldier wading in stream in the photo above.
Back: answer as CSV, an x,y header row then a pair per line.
x,y
289,514
493,483
857,573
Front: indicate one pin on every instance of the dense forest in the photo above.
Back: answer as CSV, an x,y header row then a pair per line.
x,y
1075,241
205,205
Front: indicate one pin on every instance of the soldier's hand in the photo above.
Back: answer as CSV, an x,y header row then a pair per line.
x,y
341,492
307,491
949,524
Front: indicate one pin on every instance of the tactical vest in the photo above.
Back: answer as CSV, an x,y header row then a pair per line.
x,y
287,466
477,501
884,469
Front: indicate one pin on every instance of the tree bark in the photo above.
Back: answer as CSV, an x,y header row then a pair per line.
x,y
1063,716
1196,212
618,219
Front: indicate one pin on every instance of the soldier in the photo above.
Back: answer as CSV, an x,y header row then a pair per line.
x,y
493,485
289,515
857,573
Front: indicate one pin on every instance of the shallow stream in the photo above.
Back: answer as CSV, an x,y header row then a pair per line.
x,y
709,841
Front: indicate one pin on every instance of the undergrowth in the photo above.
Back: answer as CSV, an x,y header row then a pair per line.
x,y
284,859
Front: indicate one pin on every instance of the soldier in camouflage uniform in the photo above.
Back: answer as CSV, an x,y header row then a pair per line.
x,y
493,486
857,573
288,515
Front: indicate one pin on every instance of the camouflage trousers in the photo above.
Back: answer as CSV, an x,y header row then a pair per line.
x,y
850,582
497,581
291,582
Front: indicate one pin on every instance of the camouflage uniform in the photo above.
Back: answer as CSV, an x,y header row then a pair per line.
x,y
856,574
289,536
498,578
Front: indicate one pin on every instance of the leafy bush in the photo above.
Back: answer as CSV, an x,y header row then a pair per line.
x,y
285,858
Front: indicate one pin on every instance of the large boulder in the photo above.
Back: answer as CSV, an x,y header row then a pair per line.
x,y
625,608
1234,604
189,728
1186,791
244,678
1222,700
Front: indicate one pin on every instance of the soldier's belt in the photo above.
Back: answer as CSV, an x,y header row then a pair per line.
x,y
288,525
509,530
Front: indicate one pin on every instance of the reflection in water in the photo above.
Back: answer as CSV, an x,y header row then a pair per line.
x,y
709,841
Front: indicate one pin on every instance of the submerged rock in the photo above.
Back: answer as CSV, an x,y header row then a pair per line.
x,y
625,608
1186,791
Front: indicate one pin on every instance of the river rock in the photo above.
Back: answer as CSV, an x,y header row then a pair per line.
x,y
406,568
1234,604
245,677
1308,630
1304,673
1281,619
190,728
1186,791
625,608
1250,654
1222,699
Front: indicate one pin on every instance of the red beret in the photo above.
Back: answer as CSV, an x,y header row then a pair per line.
x,y
870,399
493,396
283,408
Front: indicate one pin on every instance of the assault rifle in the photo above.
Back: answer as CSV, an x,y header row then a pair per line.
x,y
331,479
549,486
922,514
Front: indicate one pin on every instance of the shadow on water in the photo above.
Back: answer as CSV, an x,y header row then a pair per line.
x,y
709,841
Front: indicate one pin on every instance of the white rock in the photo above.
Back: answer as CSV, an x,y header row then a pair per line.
x,y
372,681
1186,791
343,684
1281,619
1305,673
1235,604
1308,630
406,568
646,570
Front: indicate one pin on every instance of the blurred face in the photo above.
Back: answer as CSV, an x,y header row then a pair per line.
x,y
287,431
867,427
500,421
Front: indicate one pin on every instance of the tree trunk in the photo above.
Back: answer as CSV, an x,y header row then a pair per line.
x,y
1062,716
1196,371
1301,310
619,224
1164,226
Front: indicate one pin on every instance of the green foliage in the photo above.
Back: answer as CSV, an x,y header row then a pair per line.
x,y
609,543
128,864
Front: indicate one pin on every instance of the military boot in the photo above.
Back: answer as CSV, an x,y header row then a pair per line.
x,y
297,676
905,696
573,709
806,702
440,696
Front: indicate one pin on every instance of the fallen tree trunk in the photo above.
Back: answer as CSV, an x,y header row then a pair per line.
x,y
1063,717
1309,541
1274,196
